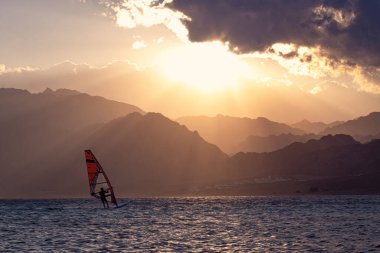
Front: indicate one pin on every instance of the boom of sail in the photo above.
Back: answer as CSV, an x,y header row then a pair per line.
x,y
97,178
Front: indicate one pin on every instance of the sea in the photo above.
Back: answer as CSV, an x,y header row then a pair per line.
x,y
193,224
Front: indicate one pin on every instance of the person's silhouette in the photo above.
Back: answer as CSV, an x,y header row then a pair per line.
x,y
103,197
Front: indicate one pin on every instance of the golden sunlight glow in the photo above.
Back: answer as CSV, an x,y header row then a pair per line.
x,y
207,66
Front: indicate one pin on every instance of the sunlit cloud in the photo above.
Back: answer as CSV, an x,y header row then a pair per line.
x,y
147,13
317,39
315,90
301,60
363,82
139,44
159,40
5,70
315,63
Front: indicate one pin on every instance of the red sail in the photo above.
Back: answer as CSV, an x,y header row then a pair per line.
x,y
97,178
91,167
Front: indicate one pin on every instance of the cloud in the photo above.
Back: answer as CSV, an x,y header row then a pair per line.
x,y
5,70
315,90
342,29
62,75
139,44
316,38
147,13
148,89
366,79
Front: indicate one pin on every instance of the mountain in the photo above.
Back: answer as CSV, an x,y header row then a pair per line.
x,y
152,155
363,126
64,109
43,137
142,154
61,92
271,143
228,132
41,120
38,119
33,124
366,138
332,164
297,158
313,127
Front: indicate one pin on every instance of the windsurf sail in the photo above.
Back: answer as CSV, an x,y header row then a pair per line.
x,y
97,178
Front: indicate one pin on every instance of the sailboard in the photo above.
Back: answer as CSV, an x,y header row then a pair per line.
x,y
97,178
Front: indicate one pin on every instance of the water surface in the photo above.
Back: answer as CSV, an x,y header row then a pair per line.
x,y
241,224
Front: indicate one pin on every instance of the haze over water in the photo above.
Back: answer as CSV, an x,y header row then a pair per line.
x,y
241,224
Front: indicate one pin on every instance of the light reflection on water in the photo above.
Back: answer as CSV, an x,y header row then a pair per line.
x,y
241,224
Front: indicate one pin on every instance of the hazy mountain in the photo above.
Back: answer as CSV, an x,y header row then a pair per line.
x,y
272,142
33,124
64,109
366,125
332,163
43,137
143,155
151,154
228,132
30,123
314,127
52,114
366,138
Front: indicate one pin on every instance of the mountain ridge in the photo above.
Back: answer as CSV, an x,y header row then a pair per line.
x,y
313,127
144,155
364,125
147,154
227,132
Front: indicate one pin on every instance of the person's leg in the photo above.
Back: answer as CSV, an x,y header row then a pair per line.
x,y
107,204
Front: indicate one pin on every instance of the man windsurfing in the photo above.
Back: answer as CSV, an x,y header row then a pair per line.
x,y
97,178
103,197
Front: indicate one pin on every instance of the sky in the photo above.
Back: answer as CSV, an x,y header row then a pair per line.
x,y
284,60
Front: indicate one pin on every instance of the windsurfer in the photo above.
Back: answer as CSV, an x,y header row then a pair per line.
x,y
97,177
103,197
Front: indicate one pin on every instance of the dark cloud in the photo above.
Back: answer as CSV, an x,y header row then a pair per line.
x,y
346,30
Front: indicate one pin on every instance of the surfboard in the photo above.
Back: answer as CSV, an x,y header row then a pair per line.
x,y
121,205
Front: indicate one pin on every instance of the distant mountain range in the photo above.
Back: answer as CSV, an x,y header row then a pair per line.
x,y
143,155
31,125
228,132
363,126
233,134
316,165
146,154
43,137
272,142
314,127
63,110
154,155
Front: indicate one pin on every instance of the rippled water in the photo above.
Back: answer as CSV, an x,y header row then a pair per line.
x,y
278,224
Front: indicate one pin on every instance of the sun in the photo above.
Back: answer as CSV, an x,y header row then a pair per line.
x,y
206,66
